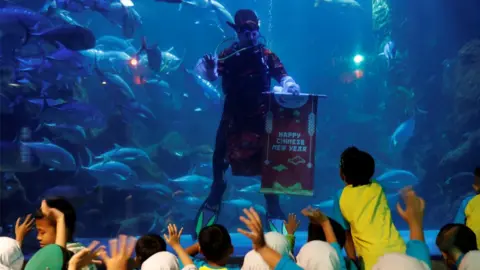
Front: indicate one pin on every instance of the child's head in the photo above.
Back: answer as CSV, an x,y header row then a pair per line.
x,y
46,228
453,240
315,232
356,167
148,245
215,244
11,256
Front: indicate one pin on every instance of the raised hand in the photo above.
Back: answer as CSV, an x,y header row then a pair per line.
x,y
292,224
121,250
173,238
254,224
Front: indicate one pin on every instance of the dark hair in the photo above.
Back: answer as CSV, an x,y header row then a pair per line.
x,y
357,166
456,235
67,255
215,242
64,206
148,245
477,172
315,232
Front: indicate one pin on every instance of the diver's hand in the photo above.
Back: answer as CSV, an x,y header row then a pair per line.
x,y
210,61
289,85
292,88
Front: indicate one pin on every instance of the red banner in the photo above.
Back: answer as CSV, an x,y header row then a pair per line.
x,y
289,153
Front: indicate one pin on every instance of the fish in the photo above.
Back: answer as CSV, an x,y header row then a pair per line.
x,y
72,37
154,55
255,188
72,113
154,85
163,189
113,43
344,3
152,219
136,111
396,180
60,16
239,204
52,155
131,22
171,62
192,182
208,89
389,52
192,201
74,194
74,134
116,86
70,5
15,21
402,133
196,3
223,13
127,155
113,174
127,3
468,175
127,18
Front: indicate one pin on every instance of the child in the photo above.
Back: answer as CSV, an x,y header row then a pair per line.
x,y
215,244
316,232
148,245
46,227
469,212
52,257
417,255
255,233
455,241
274,240
362,209
11,256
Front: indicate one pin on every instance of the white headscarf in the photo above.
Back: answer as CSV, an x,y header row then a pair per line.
x,y
470,261
275,241
399,261
316,255
161,260
11,256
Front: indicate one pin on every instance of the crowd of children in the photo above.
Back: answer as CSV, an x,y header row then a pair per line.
x,y
361,225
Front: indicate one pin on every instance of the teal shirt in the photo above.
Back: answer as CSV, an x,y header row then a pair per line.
x,y
345,264
419,250
286,263
203,265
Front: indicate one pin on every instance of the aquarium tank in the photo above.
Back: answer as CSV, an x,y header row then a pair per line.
x,y
133,110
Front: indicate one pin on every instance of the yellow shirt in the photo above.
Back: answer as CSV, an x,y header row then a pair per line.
x,y
365,211
472,216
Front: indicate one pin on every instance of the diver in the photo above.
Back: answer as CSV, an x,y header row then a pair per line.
x,y
246,68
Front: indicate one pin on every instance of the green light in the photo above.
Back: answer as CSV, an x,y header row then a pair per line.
x,y
358,59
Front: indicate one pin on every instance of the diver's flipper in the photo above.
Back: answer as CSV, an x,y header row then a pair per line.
x,y
207,215
276,225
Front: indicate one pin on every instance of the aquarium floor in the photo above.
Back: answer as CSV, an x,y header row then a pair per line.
x,y
243,245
